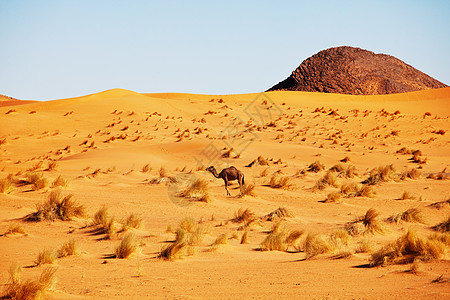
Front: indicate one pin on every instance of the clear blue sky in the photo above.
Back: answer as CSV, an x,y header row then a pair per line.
x,y
61,49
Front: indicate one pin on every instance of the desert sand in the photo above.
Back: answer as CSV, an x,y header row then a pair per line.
x,y
102,142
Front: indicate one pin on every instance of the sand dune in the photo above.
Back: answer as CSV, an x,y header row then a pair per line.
x,y
134,153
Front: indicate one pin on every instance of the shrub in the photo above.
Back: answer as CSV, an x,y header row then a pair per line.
x,y
410,215
407,248
172,251
329,179
333,197
244,238
57,207
381,174
30,289
315,167
275,241
146,168
278,181
101,216
407,196
365,224
244,216
443,226
279,213
60,182
38,181
45,256
248,189
410,173
357,190
197,190
6,186
15,228
221,240
69,248
316,244
127,246
132,221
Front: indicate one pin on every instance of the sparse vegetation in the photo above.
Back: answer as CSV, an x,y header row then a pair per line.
x,y
357,190
46,256
38,181
410,173
248,190
316,167
6,185
278,181
30,289
407,248
407,196
57,207
127,246
365,224
329,179
60,182
132,221
316,244
279,213
198,190
444,226
410,215
333,197
71,247
245,216
15,228
381,174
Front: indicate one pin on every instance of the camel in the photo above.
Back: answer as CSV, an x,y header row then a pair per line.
x,y
227,175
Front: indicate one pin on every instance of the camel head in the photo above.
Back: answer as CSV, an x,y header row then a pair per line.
x,y
211,169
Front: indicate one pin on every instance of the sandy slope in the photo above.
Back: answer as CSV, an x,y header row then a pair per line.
x,y
76,133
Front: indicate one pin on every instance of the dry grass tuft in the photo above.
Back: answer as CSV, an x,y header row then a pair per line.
x,y
329,179
132,221
357,190
275,241
6,185
172,251
30,289
60,182
441,204
38,181
333,197
244,216
279,213
198,190
316,244
244,238
410,215
146,168
71,247
45,256
407,196
57,207
220,240
444,226
278,181
408,248
101,216
410,173
315,167
365,224
364,246
15,228
381,174
248,190
127,246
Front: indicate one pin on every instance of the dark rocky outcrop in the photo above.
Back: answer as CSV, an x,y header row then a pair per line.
x,y
349,70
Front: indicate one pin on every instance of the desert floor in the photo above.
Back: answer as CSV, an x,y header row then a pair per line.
x,y
102,142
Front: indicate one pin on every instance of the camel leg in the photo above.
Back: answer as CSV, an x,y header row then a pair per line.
x,y
226,188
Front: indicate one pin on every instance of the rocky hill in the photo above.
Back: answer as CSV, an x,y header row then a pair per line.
x,y
349,70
